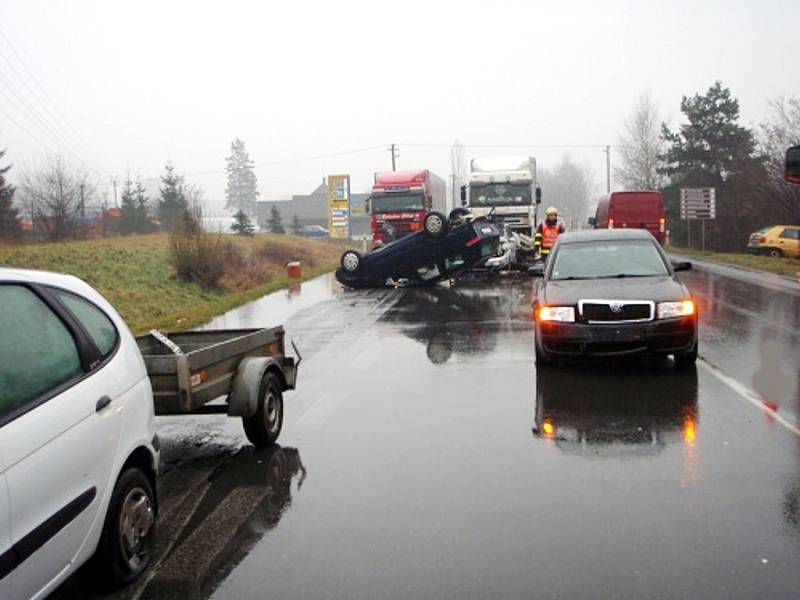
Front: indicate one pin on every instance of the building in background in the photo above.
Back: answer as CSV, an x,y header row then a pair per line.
x,y
312,209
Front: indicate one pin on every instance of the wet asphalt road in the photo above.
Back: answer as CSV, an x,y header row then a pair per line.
x,y
423,456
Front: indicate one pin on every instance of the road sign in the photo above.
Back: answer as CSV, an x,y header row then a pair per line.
x,y
339,206
698,204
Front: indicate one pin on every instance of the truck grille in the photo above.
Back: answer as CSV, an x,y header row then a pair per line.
x,y
613,311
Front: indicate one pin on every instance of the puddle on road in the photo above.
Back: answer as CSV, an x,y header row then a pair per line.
x,y
276,308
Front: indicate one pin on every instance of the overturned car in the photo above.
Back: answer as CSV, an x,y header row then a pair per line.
x,y
440,250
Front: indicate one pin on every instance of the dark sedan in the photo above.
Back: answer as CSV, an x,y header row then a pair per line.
x,y
441,249
613,293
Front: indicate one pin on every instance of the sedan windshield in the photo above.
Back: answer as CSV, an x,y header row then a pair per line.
x,y
606,259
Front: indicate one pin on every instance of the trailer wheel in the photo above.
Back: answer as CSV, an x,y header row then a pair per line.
x,y
435,225
264,427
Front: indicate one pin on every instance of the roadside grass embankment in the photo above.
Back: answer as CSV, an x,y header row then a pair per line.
x,y
787,266
137,274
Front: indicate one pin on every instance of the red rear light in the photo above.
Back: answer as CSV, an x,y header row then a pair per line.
x,y
611,223
662,224
473,241
758,239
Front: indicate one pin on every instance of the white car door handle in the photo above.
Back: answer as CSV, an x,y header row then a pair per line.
x,y
102,403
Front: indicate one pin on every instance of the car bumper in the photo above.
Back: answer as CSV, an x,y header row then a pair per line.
x,y
666,336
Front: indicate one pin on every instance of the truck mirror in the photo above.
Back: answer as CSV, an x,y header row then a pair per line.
x,y
592,221
538,195
366,206
792,173
463,195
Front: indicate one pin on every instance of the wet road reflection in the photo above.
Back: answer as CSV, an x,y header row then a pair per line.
x,y
230,511
630,412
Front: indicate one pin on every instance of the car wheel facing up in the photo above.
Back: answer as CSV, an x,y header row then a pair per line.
x,y
351,261
435,225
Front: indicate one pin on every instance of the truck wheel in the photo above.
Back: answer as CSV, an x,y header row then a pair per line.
x,y
264,427
435,225
351,261
775,252
126,542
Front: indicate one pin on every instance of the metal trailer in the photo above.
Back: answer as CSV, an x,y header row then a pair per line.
x,y
189,370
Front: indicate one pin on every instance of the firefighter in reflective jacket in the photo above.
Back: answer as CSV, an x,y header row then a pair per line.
x,y
547,232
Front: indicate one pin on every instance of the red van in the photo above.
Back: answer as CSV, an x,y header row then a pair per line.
x,y
634,210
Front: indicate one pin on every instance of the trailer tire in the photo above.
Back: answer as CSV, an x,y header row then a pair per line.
x,y
264,427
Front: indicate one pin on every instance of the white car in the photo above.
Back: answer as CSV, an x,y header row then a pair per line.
x,y
78,451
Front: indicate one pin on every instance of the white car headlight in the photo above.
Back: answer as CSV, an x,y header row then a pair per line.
x,y
564,314
668,310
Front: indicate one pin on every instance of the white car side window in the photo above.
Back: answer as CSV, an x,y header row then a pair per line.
x,y
37,351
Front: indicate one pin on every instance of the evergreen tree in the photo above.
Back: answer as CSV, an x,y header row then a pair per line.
x,y
242,224
9,216
173,206
143,224
712,150
275,221
128,222
241,192
297,227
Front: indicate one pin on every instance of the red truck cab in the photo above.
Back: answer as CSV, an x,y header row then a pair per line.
x,y
641,209
400,200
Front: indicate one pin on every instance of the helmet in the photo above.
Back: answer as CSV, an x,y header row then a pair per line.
x,y
551,210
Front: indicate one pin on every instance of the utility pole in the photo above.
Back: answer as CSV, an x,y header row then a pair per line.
x,y
114,182
608,169
393,150
83,201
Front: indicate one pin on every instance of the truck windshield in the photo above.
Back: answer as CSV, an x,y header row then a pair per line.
x,y
496,194
397,202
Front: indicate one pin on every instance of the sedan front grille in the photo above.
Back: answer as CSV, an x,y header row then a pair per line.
x,y
616,311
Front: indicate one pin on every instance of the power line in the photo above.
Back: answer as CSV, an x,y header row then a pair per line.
x,y
292,160
531,146
42,89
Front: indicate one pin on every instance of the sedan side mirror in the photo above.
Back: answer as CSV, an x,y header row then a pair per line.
x,y
681,266
536,270
792,172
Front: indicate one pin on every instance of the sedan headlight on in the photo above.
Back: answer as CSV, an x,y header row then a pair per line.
x,y
564,314
668,310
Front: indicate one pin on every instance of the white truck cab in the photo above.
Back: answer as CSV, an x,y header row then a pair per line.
x,y
507,185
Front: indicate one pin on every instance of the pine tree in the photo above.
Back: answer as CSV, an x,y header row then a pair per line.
x,y
242,224
9,216
173,205
128,222
241,192
143,224
275,221
297,226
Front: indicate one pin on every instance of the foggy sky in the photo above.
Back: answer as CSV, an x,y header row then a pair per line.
x,y
143,82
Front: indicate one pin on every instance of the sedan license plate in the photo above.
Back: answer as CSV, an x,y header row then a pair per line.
x,y
615,334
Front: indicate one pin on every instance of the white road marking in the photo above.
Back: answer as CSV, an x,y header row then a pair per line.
x,y
748,395
319,412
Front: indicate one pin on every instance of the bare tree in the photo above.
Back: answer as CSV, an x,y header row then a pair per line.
x,y
640,144
776,133
568,187
55,194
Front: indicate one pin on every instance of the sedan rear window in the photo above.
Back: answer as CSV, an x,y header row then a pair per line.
x,y
607,259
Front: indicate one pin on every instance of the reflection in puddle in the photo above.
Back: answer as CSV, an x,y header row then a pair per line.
x,y
595,412
231,510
